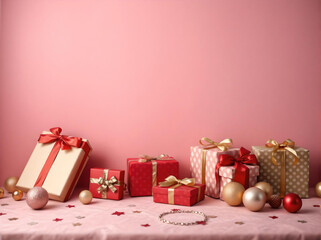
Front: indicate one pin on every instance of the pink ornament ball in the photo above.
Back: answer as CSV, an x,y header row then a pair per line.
x,y
37,197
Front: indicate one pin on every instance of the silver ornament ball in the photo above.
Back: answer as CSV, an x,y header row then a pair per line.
x,y
254,199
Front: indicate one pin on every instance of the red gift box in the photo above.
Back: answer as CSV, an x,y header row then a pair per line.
x,y
107,183
141,178
179,194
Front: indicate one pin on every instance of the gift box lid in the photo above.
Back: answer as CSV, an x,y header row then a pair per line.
x,y
183,191
229,171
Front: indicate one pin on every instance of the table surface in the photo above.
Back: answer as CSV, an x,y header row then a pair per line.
x,y
137,218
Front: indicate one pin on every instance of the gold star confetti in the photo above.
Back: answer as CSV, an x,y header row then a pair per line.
x,y
76,224
212,216
137,211
13,219
302,221
4,204
32,223
240,223
80,217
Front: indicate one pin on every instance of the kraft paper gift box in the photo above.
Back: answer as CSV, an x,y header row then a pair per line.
x,y
107,183
203,163
55,164
245,169
285,166
179,192
146,172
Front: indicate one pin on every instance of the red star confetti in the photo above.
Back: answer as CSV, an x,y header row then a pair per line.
x,y
316,205
201,222
273,217
145,225
70,206
175,209
118,213
2,214
57,219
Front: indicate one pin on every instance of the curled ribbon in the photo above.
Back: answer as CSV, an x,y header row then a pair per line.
x,y
241,170
287,145
105,184
62,142
172,180
206,144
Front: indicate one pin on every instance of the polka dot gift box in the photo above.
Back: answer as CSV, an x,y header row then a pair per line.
x,y
285,166
146,172
204,159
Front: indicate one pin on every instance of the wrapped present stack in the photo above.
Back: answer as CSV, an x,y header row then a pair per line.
x,y
284,166
204,159
243,169
146,172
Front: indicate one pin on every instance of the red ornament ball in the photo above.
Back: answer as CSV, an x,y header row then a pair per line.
x,y
292,202
275,201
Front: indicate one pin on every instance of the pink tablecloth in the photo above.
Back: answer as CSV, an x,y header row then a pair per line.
x,y
137,218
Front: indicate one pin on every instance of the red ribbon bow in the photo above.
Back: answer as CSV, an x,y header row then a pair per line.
x,y
63,142
241,171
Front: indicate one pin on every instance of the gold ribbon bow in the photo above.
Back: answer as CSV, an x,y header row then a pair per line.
x,y
287,145
147,158
105,184
206,144
172,180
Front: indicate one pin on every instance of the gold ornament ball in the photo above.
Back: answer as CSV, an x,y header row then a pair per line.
x,y
266,187
318,189
232,193
254,199
1,192
10,184
85,197
17,195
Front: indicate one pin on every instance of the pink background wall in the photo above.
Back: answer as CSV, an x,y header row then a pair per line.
x,y
137,76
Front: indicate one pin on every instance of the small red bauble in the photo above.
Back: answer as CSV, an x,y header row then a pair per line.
x,y
292,202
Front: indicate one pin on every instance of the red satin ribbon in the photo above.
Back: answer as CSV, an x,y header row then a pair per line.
x,y
63,142
241,171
